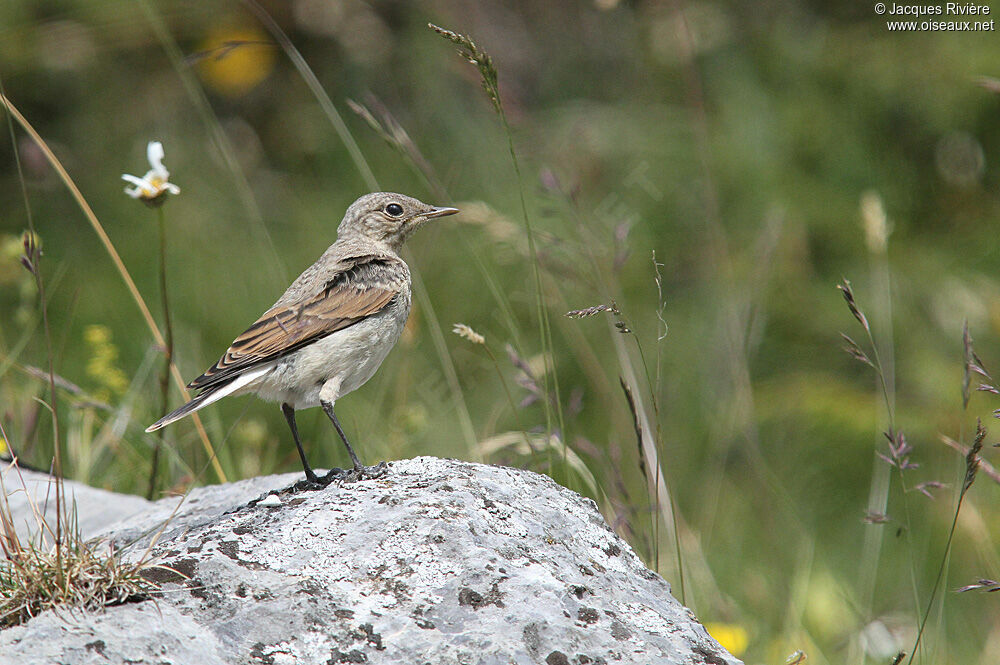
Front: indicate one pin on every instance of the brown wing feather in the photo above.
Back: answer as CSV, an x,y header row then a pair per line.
x,y
353,295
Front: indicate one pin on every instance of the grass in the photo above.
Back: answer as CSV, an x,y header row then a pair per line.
x,y
899,451
58,569
742,443
489,78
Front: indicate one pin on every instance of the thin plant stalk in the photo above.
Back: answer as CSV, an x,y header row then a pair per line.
x,y
877,241
387,127
717,256
507,393
120,266
542,312
168,350
876,229
326,104
622,327
887,396
655,388
32,254
488,74
656,490
971,467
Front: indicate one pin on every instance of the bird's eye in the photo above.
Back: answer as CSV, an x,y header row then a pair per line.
x,y
394,209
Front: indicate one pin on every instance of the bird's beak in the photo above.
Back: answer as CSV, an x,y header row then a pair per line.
x,y
440,212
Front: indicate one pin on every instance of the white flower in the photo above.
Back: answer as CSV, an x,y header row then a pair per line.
x,y
154,186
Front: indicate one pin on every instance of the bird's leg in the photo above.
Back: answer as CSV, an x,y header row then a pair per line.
x,y
360,470
328,408
290,417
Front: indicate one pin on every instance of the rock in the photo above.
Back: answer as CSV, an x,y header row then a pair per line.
x,y
438,562
95,508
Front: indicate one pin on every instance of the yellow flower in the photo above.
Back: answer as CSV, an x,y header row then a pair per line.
x,y
102,365
236,59
731,636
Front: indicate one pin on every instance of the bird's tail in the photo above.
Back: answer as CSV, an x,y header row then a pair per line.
x,y
204,399
209,396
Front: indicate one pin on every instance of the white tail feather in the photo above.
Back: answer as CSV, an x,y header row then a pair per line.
x,y
211,396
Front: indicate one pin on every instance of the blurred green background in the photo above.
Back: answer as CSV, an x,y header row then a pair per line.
x,y
763,151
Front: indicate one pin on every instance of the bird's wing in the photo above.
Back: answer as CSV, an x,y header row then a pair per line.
x,y
364,286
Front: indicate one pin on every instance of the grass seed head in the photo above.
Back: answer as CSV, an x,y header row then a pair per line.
x,y
845,288
465,332
478,57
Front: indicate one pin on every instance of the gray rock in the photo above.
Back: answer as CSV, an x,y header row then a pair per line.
x,y
95,508
439,562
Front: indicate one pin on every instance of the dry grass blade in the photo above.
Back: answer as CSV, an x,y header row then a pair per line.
x,y
91,581
377,116
985,584
224,49
972,462
318,91
488,73
989,83
526,444
635,423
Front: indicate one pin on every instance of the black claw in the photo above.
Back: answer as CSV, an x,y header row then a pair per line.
x,y
354,475
333,475
367,472
306,486
376,471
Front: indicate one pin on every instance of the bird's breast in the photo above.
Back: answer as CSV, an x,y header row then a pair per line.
x,y
345,359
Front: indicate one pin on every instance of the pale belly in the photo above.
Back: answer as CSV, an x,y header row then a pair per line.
x,y
342,361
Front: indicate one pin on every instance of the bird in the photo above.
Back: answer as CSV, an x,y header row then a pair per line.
x,y
330,330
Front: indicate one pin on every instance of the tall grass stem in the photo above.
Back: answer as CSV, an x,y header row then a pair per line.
x,y
168,351
119,265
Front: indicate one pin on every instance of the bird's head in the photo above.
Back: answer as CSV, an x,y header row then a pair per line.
x,y
388,218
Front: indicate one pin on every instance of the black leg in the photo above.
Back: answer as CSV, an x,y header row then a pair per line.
x,y
290,417
328,408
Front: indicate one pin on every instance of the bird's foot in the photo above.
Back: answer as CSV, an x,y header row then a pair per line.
x,y
314,482
334,475
354,475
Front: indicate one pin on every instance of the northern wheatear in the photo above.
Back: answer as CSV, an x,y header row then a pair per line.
x,y
331,329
